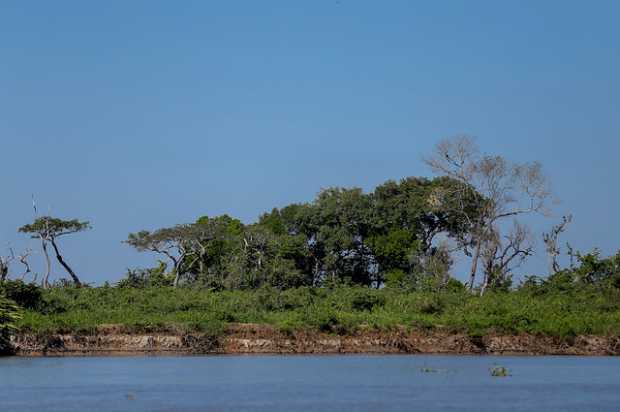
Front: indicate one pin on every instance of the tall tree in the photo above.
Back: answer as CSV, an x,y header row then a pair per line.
x,y
48,229
509,189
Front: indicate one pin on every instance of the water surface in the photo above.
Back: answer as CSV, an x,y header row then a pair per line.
x,y
309,383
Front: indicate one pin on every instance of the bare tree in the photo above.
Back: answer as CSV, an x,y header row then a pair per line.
x,y
501,256
509,190
5,263
23,259
551,243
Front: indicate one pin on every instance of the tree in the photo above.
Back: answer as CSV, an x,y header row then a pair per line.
x,y
412,218
6,261
48,229
502,256
551,243
299,225
508,189
262,258
170,242
342,222
23,259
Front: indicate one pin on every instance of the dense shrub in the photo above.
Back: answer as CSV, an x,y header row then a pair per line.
x,y
366,299
26,295
337,310
142,278
9,316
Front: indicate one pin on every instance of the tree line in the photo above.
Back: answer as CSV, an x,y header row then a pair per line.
x,y
402,234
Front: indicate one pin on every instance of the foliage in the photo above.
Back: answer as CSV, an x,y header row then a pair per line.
x,y
49,229
341,309
499,372
343,236
26,295
9,317
143,278
48,226
593,273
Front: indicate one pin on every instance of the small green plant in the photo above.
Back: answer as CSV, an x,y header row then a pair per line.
x,y
499,372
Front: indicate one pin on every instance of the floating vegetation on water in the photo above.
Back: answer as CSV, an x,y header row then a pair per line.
x,y
427,369
499,371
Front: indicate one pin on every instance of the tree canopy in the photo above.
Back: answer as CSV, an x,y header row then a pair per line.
x,y
48,229
343,235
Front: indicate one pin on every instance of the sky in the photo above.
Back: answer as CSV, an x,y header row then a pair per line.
x,y
143,114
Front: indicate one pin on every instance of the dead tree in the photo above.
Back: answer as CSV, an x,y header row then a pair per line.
x,y
23,259
551,243
501,256
5,263
508,190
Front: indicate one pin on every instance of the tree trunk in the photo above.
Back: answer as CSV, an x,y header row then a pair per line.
x,y
484,285
485,282
4,271
76,280
474,264
177,272
554,266
48,267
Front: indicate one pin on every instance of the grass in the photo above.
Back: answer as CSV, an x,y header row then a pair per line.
x,y
340,310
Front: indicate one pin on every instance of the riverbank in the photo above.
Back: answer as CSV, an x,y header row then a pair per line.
x,y
264,339
112,320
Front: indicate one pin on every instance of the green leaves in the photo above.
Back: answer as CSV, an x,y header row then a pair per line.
x,y
48,227
343,236
9,316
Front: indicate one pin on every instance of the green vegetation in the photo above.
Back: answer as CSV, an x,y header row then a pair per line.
x,y
549,308
499,372
345,262
345,235
48,229
9,316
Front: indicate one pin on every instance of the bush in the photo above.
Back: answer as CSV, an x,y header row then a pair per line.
x,y
142,278
366,299
9,316
26,295
587,310
431,305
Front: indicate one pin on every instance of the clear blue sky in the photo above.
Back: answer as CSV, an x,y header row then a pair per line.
x,y
141,114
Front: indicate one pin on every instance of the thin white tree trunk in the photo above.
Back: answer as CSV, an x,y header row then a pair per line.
x,y
48,266
474,264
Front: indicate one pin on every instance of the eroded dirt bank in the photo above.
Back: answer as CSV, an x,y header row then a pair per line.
x,y
260,339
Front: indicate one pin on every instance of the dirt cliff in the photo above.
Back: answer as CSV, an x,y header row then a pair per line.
x,y
261,339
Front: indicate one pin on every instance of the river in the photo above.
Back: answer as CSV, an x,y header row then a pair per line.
x,y
309,383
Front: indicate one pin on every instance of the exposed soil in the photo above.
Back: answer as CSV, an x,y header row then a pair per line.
x,y
261,339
